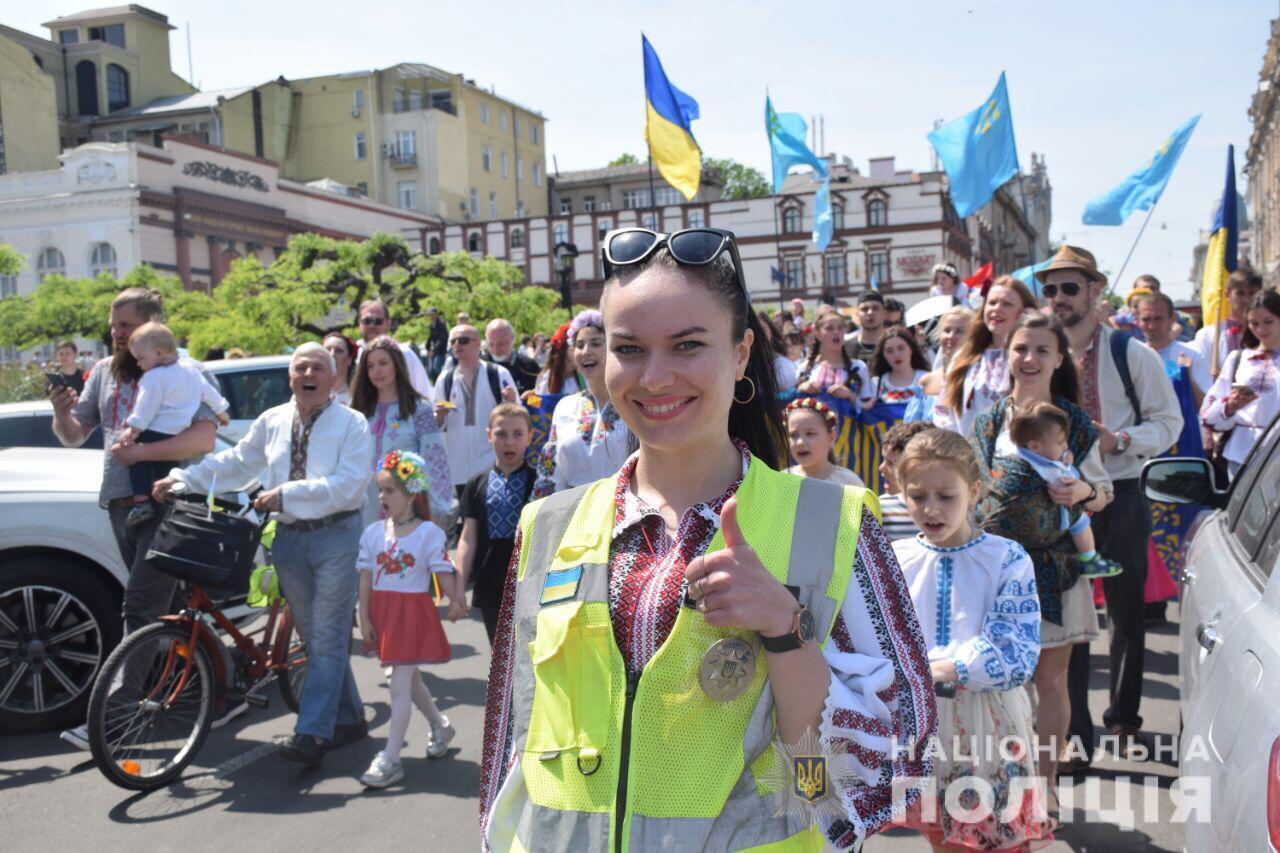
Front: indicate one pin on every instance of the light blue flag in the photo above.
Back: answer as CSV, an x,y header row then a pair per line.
x,y
1027,275
978,151
872,283
1142,189
787,132
822,219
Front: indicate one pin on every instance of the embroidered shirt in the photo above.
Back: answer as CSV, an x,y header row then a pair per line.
x,y
587,442
503,500
1260,370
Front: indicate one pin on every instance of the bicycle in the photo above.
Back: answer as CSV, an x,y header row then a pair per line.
x,y
154,701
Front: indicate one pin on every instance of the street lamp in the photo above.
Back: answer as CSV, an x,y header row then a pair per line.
x,y
565,254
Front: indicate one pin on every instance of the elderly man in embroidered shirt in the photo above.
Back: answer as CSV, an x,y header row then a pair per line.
x,y
311,457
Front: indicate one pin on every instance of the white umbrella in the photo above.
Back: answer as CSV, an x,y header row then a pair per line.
x,y
927,309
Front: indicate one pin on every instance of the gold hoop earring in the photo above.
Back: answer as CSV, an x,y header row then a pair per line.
x,y
753,392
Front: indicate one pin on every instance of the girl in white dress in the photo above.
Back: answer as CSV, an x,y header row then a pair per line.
x,y
811,428
975,595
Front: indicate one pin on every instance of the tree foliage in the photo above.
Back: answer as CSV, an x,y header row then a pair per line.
x,y
312,289
740,182
625,159
11,261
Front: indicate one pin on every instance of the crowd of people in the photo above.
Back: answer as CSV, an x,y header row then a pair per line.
x,y
659,590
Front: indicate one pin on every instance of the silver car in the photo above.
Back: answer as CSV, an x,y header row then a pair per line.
x,y
1230,647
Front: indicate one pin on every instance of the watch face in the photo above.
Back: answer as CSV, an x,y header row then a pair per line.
x,y
808,628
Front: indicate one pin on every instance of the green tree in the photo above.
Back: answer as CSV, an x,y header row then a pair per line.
x,y
11,261
740,182
625,160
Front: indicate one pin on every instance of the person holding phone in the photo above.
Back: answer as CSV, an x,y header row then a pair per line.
x,y
67,372
1246,396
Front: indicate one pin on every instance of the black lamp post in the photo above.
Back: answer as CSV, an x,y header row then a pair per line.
x,y
565,254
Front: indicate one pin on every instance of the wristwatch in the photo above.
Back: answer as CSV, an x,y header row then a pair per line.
x,y
1122,442
803,629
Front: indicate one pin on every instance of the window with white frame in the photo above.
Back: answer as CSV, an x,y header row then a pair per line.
x,y
406,143
837,269
502,119
475,202
517,126
50,262
837,217
362,146
668,196
696,219
484,113
533,134
566,206
602,228
634,199
407,195
537,174
877,212
878,266
493,205
791,221
102,259
795,273
357,99
560,234
517,238
506,172
473,241
415,100
519,168
486,158
589,204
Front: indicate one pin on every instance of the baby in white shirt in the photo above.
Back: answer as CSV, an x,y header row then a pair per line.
x,y
170,393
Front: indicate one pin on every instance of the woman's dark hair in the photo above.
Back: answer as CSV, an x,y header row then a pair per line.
x,y
976,342
757,422
1269,301
777,340
364,397
811,358
352,353
1065,382
880,364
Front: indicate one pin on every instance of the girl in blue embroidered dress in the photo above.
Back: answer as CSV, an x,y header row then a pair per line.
x,y
975,596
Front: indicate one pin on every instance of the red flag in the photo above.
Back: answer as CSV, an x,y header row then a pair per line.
x,y
982,278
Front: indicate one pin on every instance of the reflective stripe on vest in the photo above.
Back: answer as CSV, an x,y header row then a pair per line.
x,y
692,778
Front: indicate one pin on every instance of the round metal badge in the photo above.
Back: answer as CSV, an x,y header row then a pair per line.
x,y
726,669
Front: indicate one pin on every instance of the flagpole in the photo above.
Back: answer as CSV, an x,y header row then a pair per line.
x,y
777,253
1118,275
653,197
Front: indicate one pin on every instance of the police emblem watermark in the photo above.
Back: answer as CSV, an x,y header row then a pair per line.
x,y
805,780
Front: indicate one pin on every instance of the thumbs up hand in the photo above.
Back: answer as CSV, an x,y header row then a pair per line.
x,y
734,589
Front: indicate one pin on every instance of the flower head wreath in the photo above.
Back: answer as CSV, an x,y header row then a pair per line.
x,y
408,469
813,404
561,337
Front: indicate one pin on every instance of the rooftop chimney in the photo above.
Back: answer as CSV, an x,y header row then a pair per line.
x,y
882,168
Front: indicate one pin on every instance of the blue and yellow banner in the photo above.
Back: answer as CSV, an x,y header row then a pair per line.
x,y
541,408
668,127
1221,258
860,436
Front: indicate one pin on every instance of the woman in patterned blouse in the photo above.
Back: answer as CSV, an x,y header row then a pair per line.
x,y
399,419
682,344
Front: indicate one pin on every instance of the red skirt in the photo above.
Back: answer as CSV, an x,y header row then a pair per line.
x,y
409,629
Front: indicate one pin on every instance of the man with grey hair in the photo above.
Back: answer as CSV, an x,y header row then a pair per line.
x,y
500,348
311,457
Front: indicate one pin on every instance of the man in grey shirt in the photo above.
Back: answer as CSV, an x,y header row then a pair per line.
x,y
107,400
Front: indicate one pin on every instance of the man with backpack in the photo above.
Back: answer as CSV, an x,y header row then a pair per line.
x,y
1124,389
465,394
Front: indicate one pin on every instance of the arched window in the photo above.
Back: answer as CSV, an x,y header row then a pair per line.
x,y
433,247
117,88
791,220
50,262
837,217
877,212
473,242
102,260
87,88
517,238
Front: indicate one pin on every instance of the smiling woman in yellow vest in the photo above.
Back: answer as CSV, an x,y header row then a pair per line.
x,y
669,635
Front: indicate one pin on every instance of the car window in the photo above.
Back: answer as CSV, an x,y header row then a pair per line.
x,y
252,392
1257,508
1266,560
1242,491
36,430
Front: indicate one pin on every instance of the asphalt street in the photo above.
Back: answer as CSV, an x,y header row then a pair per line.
x,y
240,795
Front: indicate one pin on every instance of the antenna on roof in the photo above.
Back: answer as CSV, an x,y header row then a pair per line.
x,y
191,67
556,164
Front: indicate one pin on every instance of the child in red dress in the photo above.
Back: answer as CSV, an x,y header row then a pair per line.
x,y
398,615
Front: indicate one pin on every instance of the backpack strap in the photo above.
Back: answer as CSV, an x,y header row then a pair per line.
x,y
1120,356
448,383
491,370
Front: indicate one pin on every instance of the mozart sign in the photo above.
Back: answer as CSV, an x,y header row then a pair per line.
x,y
916,263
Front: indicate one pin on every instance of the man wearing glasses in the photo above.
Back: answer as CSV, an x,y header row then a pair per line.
x,y
374,324
1136,421
464,395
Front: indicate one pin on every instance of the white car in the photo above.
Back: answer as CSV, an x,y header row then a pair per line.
x,y
251,386
1230,647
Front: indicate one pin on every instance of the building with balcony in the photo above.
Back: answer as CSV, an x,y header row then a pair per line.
x,y
622,188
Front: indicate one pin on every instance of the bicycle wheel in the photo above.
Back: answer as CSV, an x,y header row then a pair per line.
x,y
291,649
149,713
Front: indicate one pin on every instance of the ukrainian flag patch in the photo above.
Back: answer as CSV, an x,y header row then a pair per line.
x,y
561,585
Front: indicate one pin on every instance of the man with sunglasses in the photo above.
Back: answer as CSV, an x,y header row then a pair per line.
x,y
465,394
1137,416
375,322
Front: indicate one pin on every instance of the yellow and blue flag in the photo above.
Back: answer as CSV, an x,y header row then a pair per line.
x,y
667,129
1142,189
978,151
1220,259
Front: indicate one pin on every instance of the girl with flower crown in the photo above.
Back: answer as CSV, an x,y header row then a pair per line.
x,y
398,616
811,427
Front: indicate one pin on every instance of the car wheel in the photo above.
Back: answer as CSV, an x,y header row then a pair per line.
x,y
58,622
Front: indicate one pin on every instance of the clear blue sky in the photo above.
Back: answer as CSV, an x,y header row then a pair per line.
x,y
1095,86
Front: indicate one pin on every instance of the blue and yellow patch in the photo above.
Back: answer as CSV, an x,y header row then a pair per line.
x,y
561,585
810,776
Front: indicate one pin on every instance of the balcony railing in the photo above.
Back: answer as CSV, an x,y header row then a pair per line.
x,y
402,160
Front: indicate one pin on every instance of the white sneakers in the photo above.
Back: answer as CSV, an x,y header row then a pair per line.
x,y
382,772
77,737
441,737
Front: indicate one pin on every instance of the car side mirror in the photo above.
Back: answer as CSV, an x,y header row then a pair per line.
x,y
1181,480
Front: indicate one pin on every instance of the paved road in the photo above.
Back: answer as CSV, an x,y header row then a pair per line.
x,y
241,796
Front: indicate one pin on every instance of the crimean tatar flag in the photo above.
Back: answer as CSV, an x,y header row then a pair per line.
x,y
667,128
978,151
1220,259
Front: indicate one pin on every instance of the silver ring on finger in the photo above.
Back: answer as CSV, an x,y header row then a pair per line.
x,y
698,594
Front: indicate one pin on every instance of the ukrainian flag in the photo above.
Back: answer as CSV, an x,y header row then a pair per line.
x,y
1221,257
670,111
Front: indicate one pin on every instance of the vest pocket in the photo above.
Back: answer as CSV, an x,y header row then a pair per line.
x,y
572,679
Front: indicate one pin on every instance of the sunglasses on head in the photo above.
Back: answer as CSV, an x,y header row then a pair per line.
x,y
1069,288
460,342
690,247
372,321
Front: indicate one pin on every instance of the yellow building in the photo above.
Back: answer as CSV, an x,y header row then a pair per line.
x,y
28,112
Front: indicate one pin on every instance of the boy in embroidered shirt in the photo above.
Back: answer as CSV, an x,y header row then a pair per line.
x,y
169,393
491,504
1040,434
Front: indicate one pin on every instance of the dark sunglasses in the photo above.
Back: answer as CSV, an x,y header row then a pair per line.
x,y
1070,288
372,321
691,247
460,342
